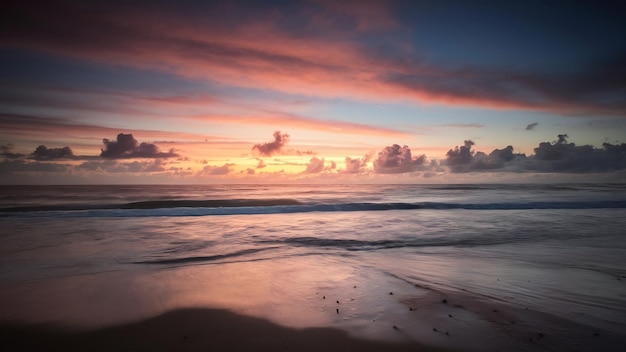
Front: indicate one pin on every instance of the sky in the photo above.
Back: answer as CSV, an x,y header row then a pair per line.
x,y
312,91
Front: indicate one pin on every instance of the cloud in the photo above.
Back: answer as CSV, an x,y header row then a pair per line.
x,y
357,165
532,126
250,171
314,166
561,156
217,170
395,159
6,151
271,148
19,166
38,126
44,153
464,159
125,146
460,155
113,166
261,164
590,90
307,49
158,165
554,157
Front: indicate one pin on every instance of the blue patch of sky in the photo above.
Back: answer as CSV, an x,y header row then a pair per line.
x,y
536,36
403,113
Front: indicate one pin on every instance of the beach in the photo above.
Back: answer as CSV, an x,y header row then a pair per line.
x,y
464,274
354,312
98,316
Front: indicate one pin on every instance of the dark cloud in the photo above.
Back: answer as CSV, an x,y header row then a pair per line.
x,y
502,155
6,151
558,156
561,156
126,146
395,159
44,153
532,126
96,31
464,159
261,164
271,148
123,146
553,151
597,88
460,155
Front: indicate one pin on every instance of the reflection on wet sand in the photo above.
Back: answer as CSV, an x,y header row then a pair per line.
x,y
372,306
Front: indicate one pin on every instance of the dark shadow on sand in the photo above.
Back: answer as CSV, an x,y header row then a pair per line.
x,y
191,330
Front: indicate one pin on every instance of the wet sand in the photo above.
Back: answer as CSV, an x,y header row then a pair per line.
x,y
279,306
421,318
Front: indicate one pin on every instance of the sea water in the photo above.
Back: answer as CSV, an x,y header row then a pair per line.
x,y
98,254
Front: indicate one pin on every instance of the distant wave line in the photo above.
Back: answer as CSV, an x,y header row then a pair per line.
x,y
157,204
367,245
286,206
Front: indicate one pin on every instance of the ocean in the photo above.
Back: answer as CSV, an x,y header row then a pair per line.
x,y
354,257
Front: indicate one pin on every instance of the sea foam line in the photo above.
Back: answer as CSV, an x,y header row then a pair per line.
x,y
239,207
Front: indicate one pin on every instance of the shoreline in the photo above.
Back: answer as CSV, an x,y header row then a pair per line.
x,y
433,320
342,308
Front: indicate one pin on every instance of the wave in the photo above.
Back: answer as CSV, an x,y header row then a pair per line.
x,y
367,245
282,206
157,204
207,258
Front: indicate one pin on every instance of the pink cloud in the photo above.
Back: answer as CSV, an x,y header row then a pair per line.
x,y
258,53
315,166
38,126
296,121
211,170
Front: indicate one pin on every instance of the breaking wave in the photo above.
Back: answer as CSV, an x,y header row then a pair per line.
x,y
279,206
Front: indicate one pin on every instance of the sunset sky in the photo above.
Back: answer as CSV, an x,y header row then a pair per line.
x,y
312,91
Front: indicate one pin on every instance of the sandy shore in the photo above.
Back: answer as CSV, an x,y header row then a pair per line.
x,y
193,330
431,322
238,307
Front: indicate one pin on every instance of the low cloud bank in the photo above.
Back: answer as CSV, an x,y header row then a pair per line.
x,y
44,153
126,146
557,156
395,159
